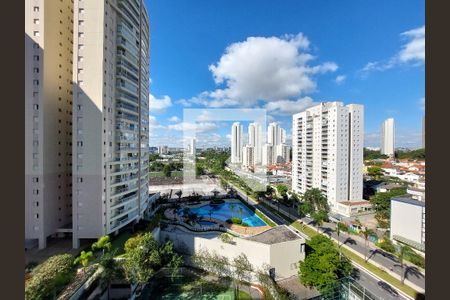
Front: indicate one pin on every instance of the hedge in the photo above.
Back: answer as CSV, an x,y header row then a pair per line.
x,y
49,278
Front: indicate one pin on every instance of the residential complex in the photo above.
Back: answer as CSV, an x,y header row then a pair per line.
x,y
87,156
388,137
248,156
327,151
276,139
255,140
237,142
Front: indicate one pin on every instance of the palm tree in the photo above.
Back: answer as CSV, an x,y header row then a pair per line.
x,y
178,194
102,243
404,250
110,269
232,207
366,233
241,210
84,259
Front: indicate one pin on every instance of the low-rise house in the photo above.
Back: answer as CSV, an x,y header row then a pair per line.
x,y
353,208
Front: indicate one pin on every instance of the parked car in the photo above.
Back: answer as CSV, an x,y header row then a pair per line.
x,y
388,288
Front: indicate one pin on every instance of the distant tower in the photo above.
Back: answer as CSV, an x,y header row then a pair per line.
x,y
192,148
388,137
236,143
255,140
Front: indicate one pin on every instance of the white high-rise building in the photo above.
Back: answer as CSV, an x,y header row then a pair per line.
x,y
255,140
388,137
282,136
274,134
267,155
237,139
192,148
283,153
248,156
327,151
87,77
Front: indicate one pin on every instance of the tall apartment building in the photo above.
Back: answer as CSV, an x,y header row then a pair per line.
x,y
110,122
274,134
255,140
282,136
48,118
327,151
388,137
283,153
192,147
237,140
248,156
267,155
87,78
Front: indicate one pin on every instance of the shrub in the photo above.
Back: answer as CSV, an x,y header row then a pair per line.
x,y
416,259
50,277
387,245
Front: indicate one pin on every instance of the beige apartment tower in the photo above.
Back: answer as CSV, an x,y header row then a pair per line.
x,y
104,137
48,119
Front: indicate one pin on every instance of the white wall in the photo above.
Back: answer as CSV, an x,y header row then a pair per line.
x,y
406,220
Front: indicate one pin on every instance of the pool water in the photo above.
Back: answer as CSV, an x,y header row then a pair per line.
x,y
208,223
226,211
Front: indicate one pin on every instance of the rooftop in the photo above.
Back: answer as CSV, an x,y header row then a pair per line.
x,y
408,200
354,203
275,235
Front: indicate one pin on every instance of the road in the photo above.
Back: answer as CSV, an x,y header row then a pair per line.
x,y
370,283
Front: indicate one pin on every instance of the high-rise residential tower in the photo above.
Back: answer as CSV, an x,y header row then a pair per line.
x,y
237,140
192,147
255,140
48,119
388,137
267,155
274,134
327,151
110,119
87,77
248,156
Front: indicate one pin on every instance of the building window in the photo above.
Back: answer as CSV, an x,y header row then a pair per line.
x,y
36,106
36,216
36,9
35,33
36,57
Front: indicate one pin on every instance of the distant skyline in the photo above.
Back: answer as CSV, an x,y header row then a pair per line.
x,y
285,57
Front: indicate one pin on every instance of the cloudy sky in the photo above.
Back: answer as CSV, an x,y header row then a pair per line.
x,y
284,56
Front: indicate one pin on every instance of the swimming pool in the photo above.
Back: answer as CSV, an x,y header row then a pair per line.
x,y
226,211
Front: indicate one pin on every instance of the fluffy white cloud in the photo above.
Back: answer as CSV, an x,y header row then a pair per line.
x,y
159,105
289,107
174,119
153,125
198,127
412,52
262,68
340,79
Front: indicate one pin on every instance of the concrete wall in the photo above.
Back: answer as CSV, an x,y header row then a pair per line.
x,y
284,257
406,221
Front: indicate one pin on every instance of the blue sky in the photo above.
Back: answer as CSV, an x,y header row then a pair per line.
x,y
285,56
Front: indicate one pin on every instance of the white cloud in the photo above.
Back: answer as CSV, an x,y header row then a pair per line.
x,y
199,127
289,107
340,79
174,119
411,53
414,50
159,105
262,68
184,102
153,125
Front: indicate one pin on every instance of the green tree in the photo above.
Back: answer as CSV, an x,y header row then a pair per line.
x,y
316,199
305,208
323,266
366,233
319,217
226,238
242,269
282,189
167,170
103,243
110,269
381,202
403,251
84,258
375,172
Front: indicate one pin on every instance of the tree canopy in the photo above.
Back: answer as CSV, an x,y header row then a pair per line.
x,y
323,266
381,202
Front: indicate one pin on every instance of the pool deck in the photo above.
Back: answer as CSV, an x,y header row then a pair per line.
x,y
241,230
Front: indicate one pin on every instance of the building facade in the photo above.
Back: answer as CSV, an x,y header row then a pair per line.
x,y
388,137
91,156
237,140
408,222
48,119
248,156
267,155
283,153
255,140
327,151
